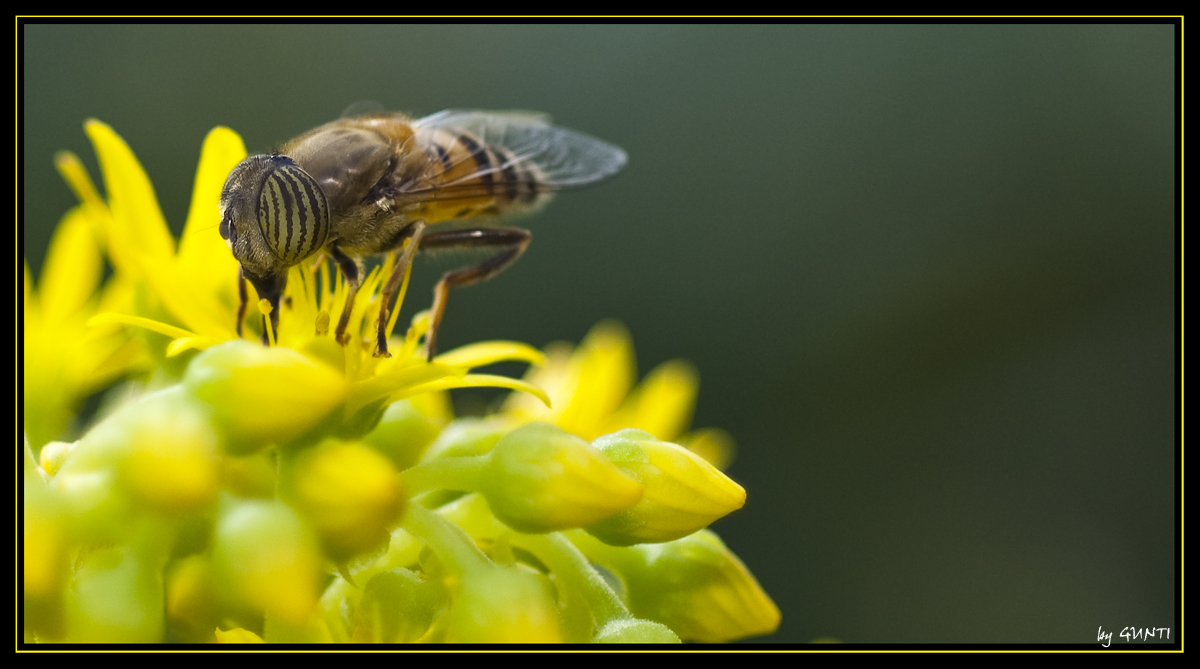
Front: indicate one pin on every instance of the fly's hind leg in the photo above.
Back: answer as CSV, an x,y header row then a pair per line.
x,y
515,241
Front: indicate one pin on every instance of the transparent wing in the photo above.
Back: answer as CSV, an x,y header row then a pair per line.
x,y
563,158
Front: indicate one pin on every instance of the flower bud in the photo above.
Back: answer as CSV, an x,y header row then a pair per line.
x,y
172,460
191,599
350,493
117,597
464,437
695,585
503,604
541,479
403,434
633,630
157,452
236,635
263,395
397,606
267,558
45,547
683,492
53,455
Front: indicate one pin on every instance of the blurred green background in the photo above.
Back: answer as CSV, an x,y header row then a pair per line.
x,y
928,273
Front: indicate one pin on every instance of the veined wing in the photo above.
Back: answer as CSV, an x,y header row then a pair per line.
x,y
507,147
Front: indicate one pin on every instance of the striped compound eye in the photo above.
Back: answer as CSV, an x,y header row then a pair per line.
x,y
292,211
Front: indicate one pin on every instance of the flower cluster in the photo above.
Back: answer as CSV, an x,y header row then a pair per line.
x,y
311,492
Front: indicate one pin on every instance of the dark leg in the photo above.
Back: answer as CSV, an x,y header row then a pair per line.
x,y
243,298
515,239
393,283
351,271
269,288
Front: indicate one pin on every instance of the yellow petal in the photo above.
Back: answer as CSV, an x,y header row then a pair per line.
x,y
138,232
602,371
488,352
156,326
182,344
477,381
72,270
663,403
76,176
204,258
390,385
222,151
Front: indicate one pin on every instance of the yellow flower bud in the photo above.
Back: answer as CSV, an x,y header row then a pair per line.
x,y
695,585
683,492
44,544
502,604
236,635
191,598
267,558
53,455
403,434
633,630
117,597
541,479
351,494
263,395
396,607
172,459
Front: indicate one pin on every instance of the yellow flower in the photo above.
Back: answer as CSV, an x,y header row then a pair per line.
x,y
188,291
65,360
308,491
591,390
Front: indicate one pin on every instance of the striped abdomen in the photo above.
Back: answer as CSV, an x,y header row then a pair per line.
x,y
466,177
292,212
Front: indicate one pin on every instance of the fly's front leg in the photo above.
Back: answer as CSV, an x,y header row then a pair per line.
x,y
514,239
243,298
269,288
393,283
353,273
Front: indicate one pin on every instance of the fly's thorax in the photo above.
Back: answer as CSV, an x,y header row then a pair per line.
x,y
273,214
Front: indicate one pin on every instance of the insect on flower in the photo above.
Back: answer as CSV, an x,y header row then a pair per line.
x,y
363,186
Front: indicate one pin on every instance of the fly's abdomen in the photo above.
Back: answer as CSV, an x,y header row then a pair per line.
x,y
467,177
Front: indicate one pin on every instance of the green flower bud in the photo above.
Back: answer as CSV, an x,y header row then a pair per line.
x,y
403,434
397,606
632,630
465,437
236,635
350,493
44,544
541,479
263,395
192,605
98,509
160,452
695,585
253,475
268,559
683,492
503,604
172,461
117,597
53,455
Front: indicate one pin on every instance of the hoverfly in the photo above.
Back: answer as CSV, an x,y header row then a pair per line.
x,y
364,186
